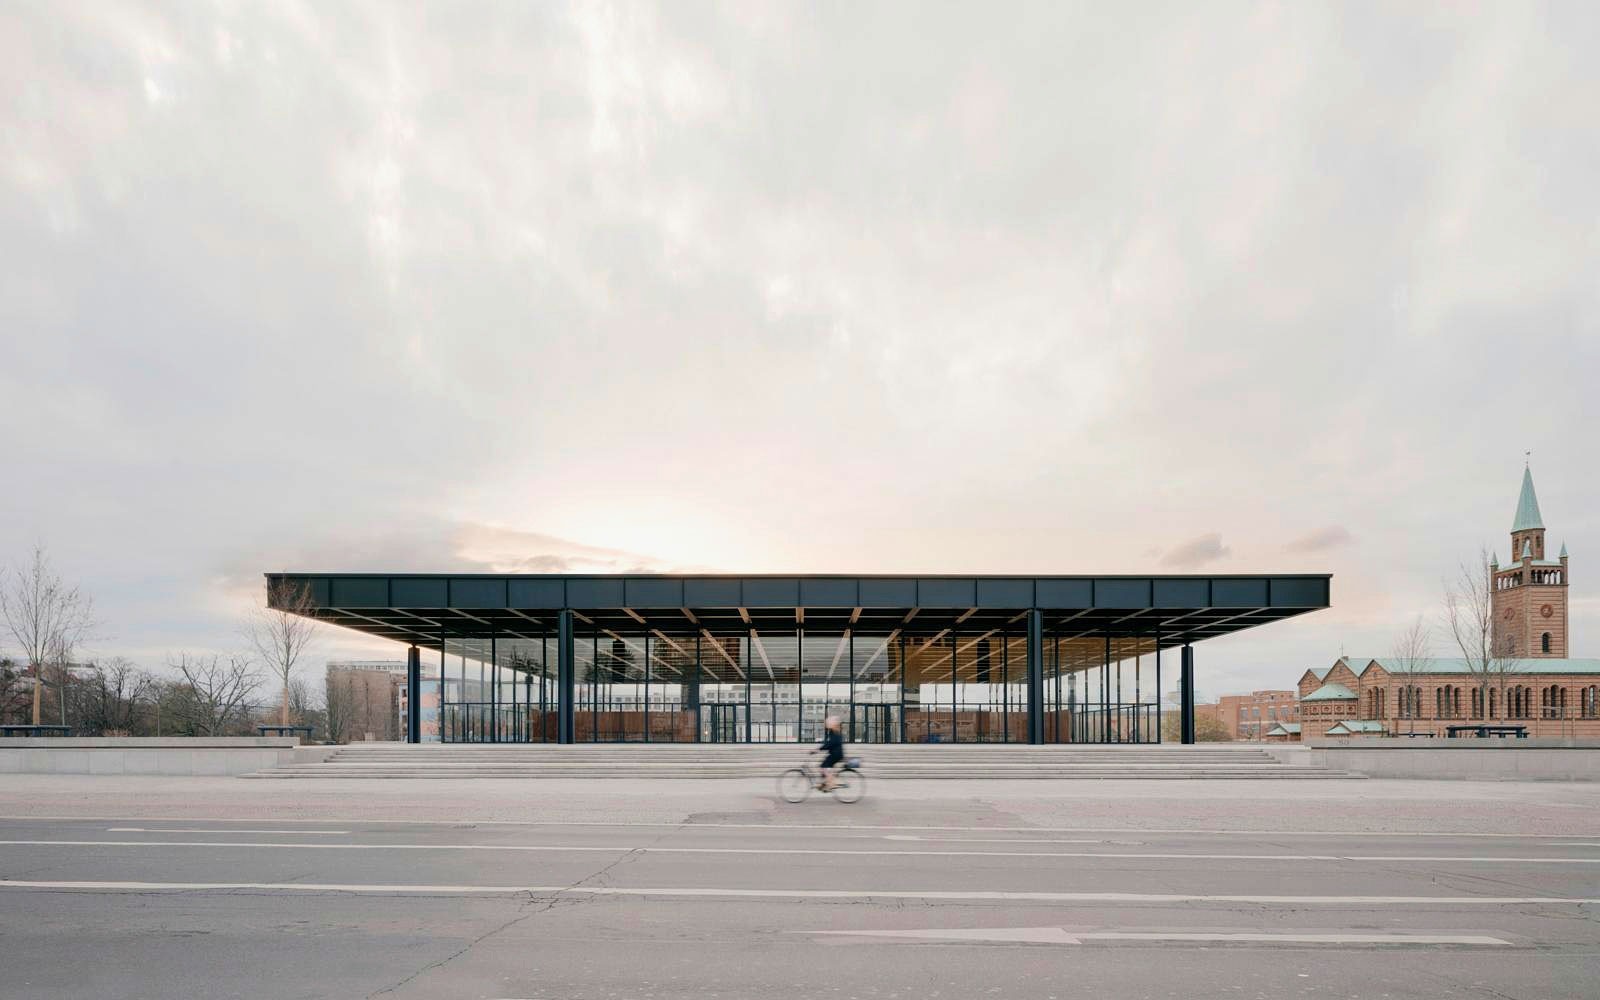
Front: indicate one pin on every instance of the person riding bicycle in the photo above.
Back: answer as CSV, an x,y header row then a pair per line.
x,y
832,749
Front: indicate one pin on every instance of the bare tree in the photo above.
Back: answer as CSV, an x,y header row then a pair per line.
x,y
215,691
113,698
1409,661
303,700
281,631
1469,616
46,617
337,705
14,695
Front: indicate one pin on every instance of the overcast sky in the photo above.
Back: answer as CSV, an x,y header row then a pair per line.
x,y
877,288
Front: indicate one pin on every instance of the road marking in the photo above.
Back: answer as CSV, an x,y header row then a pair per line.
x,y
598,824
1577,844
1060,935
826,852
142,829
695,892
988,840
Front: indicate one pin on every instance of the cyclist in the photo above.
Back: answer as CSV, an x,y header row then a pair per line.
x,y
832,749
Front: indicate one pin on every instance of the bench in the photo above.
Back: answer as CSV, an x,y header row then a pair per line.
x,y
1484,732
302,731
26,730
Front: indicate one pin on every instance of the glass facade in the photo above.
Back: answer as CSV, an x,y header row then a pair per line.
x,y
765,685
496,689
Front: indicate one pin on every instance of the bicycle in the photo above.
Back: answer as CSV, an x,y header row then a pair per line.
x,y
849,784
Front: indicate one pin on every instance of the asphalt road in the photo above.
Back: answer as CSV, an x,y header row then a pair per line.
x,y
806,901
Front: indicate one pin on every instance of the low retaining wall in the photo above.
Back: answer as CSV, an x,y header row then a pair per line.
x,y
134,755
1464,759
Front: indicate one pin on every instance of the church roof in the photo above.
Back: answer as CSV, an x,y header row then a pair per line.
x,y
1520,667
1527,506
1331,691
1352,727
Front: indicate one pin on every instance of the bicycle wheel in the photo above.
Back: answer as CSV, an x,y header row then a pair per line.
x,y
852,784
794,784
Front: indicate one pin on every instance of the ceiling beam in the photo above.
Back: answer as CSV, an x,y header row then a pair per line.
x,y
844,641
718,647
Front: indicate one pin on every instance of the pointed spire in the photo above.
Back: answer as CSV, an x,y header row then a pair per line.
x,y
1563,550
1494,560
1527,506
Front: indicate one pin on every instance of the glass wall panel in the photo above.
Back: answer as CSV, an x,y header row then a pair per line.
x,y
497,688
670,703
929,691
775,687
724,687
991,703
1100,690
875,674
527,695
824,681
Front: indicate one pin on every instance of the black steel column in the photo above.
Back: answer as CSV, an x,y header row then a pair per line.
x,y
566,688
1035,676
414,695
1160,694
1186,693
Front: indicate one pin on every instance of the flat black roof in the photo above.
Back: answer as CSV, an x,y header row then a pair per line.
x,y
418,608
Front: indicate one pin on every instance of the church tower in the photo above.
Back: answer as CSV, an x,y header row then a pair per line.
x,y
1530,594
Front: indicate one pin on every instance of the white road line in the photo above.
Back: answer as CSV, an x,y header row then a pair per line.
x,y
155,829
698,892
827,852
989,840
601,824
1460,939
1063,935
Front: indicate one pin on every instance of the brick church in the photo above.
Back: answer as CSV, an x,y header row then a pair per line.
x,y
1530,682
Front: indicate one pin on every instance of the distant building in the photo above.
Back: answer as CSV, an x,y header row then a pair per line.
x,y
1252,716
367,699
1380,697
1531,683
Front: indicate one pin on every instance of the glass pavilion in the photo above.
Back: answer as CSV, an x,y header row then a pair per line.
x,y
764,659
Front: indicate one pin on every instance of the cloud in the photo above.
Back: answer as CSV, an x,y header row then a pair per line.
x,y
778,289
1330,537
1197,552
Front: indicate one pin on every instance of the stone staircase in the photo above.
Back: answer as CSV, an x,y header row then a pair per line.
x,y
398,760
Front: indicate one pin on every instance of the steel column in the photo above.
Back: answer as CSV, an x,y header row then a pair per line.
x,y
1186,693
566,688
413,695
1035,676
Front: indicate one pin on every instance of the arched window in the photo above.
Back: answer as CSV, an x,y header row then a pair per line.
x,y
1555,702
1477,703
1494,707
1591,701
1544,643
1524,695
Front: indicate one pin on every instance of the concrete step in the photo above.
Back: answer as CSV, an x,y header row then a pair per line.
x,y
1275,774
758,760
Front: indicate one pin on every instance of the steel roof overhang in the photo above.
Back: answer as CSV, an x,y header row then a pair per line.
x,y
419,608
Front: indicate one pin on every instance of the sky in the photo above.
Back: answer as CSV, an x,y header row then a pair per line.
x,y
862,288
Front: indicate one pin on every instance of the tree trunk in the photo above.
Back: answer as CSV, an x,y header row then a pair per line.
x,y
283,711
38,691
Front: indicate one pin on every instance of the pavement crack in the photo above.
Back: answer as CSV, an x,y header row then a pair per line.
x,y
556,899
